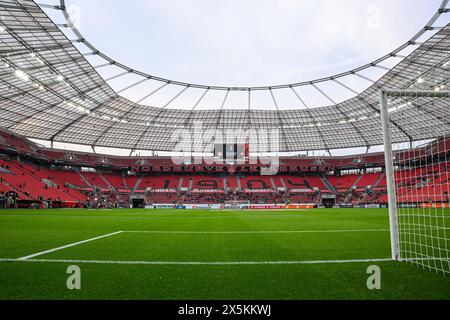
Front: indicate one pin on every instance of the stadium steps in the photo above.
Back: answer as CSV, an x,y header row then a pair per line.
x,y
180,184
108,183
50,183
375,185
307,184
225,185
27,171
36,180
19,192
353,187
85,180
138,183
328,184
24,169
274,185
355,184
284,184
191,182
239,184
124,181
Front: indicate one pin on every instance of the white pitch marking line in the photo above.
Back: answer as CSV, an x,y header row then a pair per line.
x,y
258,232
68,246
202,263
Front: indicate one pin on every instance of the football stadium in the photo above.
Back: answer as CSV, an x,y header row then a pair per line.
x,y
117,183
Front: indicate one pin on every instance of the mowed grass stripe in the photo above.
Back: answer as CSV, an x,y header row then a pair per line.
x,y
229,247
191,274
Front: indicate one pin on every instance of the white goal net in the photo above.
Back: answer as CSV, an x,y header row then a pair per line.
x,y
416,128
237,205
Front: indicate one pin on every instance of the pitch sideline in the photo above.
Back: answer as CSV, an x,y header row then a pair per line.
x,y
201,263
257,232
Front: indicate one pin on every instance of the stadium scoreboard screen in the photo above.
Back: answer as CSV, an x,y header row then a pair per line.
x,y
231,152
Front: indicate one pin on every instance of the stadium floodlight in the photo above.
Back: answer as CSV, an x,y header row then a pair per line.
x,y
418,176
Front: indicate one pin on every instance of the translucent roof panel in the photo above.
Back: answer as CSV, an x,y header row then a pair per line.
x,y
51,90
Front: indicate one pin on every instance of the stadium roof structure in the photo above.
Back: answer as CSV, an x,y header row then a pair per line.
x,y
50,91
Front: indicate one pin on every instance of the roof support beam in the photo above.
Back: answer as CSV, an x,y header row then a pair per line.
x,y
346,117
26,45
128,113
152,93
316,125
82,117
280,120
144,132
373,108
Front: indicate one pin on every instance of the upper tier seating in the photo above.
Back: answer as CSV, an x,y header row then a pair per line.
x,y
316,182
232,182
96,180
160,182
430,183
257,183
115,180
368,180
296,184
71,177
343,183
131,181
201,184
305,184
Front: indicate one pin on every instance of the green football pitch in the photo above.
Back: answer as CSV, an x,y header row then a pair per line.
x,y
171,254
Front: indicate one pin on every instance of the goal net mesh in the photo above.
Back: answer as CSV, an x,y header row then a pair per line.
x,y
419,198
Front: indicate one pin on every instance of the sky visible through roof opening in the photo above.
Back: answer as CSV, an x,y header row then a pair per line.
x,y
246,43
251,42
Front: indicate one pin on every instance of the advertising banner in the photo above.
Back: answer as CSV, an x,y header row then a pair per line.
x,y
267,206
301,206
161,206
258,191
435,205
372,206
302,191
281,206
163,191
207,191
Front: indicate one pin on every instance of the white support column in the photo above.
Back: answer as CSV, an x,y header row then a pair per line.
x,y
389,162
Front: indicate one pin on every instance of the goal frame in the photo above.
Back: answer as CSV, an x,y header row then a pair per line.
x,y
389,159
236,202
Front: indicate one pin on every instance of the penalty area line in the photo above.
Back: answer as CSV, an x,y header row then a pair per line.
x,y
257,232
67,246
202,263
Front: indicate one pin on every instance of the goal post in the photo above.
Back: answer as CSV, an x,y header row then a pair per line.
x,y
416,133
389,167
236,205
